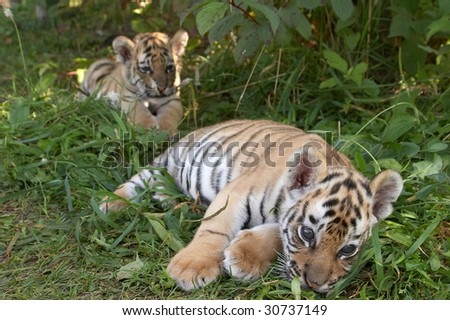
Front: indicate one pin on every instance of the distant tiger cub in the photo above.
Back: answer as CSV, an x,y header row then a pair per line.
x,y
143,80
270,188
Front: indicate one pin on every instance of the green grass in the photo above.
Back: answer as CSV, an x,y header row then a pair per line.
x,y
56,165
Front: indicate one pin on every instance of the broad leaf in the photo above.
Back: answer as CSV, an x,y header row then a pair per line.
x,y
427,168
208,16
18,112
224,26
192,8
400,26
441,25
127,271
165,235
371,88
268,13
329,83
399,124
335,61
390,163
357,72
294,18
247,45
343,8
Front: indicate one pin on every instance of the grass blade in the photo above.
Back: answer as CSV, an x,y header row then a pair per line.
x,y
378,256
423,236
124,233
102,215
68,194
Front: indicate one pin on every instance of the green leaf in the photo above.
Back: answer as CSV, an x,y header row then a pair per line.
x,y
409,149
335,61
127,271
343,8
294,18
361,164
413,57
435,262
165,235
269,13
444,7
209,15
296,288
424,192
441,25
371,88
399,237
329,83
399,124
248,43
401,26
224,26
18,112
192,8
390,163
351,40
427,168
357,72
303,26
436,147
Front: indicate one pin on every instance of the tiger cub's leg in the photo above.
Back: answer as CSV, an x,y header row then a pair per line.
x,y
169,116
128,191
200,262
138,114
251,252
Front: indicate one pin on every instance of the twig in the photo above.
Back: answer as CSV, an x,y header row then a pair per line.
x,y
238,6
278,73
248,80
218,93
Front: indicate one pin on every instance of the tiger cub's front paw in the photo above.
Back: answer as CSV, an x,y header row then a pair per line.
x,y
124,192
246,258
111,206
149,122
194,268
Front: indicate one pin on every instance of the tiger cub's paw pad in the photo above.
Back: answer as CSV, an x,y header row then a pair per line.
x,y
243,258
192,269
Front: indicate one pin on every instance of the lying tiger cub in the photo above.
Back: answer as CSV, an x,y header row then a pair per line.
x,y
143,80
270,188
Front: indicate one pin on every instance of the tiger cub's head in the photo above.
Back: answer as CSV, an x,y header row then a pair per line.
x,y
153,61
328,217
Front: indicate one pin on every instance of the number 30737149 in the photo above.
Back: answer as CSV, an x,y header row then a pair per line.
x,y
297,309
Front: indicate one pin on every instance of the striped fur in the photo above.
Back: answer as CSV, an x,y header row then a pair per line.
x,y
143,80
278,190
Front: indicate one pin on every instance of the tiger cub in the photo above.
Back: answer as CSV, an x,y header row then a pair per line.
x,y
144,79
270,188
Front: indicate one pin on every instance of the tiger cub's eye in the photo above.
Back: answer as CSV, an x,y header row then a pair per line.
x,y
348,250
145,69
170,68
307,234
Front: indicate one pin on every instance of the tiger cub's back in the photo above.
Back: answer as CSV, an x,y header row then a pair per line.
x,y
206,160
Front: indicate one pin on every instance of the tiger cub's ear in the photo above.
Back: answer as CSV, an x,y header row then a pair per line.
x,y
305,168
178,43
123,48
385,187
